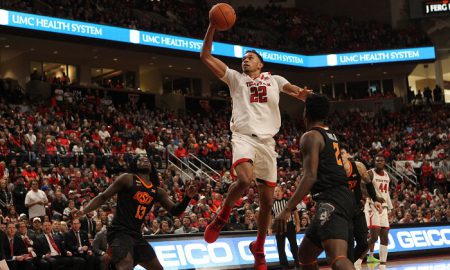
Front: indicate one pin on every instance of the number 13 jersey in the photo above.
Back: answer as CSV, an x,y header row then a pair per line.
x,y
133,204
255,103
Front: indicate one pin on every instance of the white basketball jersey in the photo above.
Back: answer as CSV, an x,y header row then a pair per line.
x,y
255,103
381,184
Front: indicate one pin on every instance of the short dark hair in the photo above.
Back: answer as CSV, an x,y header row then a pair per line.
x,y
317,107
343,146
380,156
257,54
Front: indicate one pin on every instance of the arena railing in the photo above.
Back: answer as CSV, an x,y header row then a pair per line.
x,y
203,164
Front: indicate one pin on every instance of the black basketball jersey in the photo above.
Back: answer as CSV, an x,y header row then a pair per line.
x,y
133,204
330,172
354,183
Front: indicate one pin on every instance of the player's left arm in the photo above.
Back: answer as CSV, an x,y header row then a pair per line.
x,y
311,143
170,206
291,89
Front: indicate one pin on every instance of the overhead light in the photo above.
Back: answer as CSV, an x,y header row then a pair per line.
x,y
332,76
98,70
166,78
188,68
55,52
115,59
170,66
384,72
357,74
32,49
7,46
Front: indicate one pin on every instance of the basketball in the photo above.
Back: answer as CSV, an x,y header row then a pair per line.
x,y
222,16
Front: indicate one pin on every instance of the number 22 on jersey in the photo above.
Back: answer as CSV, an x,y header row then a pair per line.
x,y
258,94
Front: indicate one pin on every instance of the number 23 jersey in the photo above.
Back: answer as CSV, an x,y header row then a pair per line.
x,y
133,204
255,103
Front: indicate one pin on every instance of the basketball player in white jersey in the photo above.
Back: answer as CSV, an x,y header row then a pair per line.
x,y
378,223
255,121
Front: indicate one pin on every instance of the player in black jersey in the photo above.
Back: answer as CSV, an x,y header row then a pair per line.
x,y
324,176
362,187
137,192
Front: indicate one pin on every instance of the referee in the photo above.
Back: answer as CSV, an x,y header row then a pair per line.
x,y
292,228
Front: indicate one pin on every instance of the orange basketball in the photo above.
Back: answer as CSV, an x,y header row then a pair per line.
x,y
222,16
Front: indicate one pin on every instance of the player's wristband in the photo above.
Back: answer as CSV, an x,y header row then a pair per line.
x,y
371,192
181,206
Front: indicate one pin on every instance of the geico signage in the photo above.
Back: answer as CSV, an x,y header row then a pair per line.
x,y
232,252
425,238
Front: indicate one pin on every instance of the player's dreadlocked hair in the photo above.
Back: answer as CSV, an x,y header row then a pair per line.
x,y
153,172
317,107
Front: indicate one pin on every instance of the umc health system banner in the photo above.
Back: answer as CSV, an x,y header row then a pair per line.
x,y
105,32
231,252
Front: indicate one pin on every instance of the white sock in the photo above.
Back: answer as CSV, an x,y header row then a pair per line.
x,y
383,253
358,264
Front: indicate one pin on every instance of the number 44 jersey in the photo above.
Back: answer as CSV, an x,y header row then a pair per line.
x,y
133,204
381,184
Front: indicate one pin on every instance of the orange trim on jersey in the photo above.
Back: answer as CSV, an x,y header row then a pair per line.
x,y
351,169
143,183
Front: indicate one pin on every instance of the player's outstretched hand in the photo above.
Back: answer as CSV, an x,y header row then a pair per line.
x,y
304,93
279,225
191,189
378,206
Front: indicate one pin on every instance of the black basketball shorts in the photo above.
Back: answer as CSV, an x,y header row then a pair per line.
x,y
329,222
121,244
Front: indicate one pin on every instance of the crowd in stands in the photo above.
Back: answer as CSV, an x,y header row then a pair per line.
x,y
285,29
67,150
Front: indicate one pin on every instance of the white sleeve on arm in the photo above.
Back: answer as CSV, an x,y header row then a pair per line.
x,y
230,77
281,81
27,199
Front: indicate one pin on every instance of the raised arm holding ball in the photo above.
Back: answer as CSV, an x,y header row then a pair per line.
x,y
255,121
